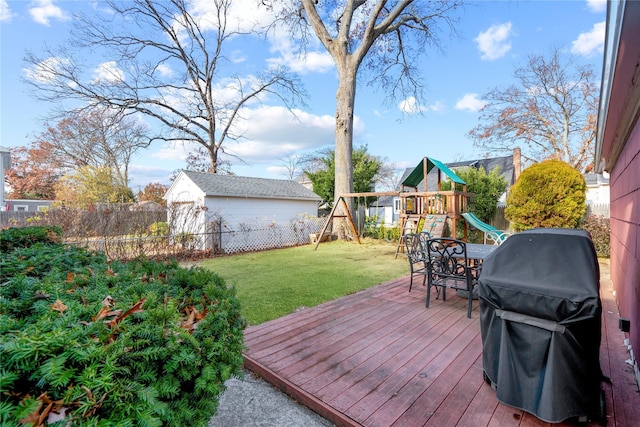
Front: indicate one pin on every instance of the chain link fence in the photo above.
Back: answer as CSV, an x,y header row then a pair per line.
x,y
124,235
186,246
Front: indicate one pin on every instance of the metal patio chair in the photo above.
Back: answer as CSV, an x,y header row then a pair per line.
x,y
416,256
449,267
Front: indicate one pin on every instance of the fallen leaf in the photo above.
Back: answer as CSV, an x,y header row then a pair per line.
x,y
134,309
106,312
58,306
70,277
108,301
45,406
193,316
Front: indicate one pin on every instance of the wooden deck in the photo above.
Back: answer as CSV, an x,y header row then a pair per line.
x,y
380,358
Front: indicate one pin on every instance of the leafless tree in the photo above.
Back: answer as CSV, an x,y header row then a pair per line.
x,y
164,60
550,113
388,177
293,165
385,38
99,138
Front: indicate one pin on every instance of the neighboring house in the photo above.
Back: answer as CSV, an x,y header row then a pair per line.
x,y
387,208
509,166
305,181
618,153
598,193
597,188
196,200
25,205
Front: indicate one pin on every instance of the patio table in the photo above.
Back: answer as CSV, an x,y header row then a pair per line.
x,y
476,253
479,251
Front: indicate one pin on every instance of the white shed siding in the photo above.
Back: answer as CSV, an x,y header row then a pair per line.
x,y
199,202
183,200
234,211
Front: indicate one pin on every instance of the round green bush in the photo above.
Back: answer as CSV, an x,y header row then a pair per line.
x,y
84,342
547,194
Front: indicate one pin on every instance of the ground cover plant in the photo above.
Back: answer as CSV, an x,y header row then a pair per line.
x,y
85,342
274,283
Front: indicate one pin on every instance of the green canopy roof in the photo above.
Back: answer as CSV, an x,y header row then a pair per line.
x,y
417,175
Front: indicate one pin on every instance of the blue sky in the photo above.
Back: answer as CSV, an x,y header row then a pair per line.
x,y
494,38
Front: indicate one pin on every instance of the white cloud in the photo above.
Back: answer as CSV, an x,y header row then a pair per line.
x,y
44,11
312,61
494,43
470,102
597,5
5,13
410,105
108,72
164,70
241,16
591,42
237,57
270,133
44,71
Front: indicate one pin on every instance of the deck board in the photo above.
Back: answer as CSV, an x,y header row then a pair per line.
x,y
379,357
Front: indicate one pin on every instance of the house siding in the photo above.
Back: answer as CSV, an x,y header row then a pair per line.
x,y
618,151
625,233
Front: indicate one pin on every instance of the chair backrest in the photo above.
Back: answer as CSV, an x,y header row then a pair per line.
x,y
424,237
447,257
415,251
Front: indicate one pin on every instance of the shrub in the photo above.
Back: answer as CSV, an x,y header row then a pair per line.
x,y
486,187
548,194
159,229
90,343
11,238
599,228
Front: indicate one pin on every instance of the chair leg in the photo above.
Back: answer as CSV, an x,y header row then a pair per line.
x,y
428,294
469,295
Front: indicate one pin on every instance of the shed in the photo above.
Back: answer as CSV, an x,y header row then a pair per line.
x,y
197,199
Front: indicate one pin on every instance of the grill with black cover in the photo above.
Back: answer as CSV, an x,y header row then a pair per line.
x,y
540,320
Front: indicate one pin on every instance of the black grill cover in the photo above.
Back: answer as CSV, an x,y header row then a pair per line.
x,y
540,319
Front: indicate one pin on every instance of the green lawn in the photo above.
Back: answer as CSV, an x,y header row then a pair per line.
x,y
274,283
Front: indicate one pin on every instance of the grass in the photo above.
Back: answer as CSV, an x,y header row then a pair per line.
x,y
274,283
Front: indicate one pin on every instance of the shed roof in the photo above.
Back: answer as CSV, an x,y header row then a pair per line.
x,y
248,187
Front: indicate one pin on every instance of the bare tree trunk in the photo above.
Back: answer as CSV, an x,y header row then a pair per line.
x,y
345,100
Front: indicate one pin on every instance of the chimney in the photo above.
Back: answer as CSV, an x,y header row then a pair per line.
x,y
517,165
